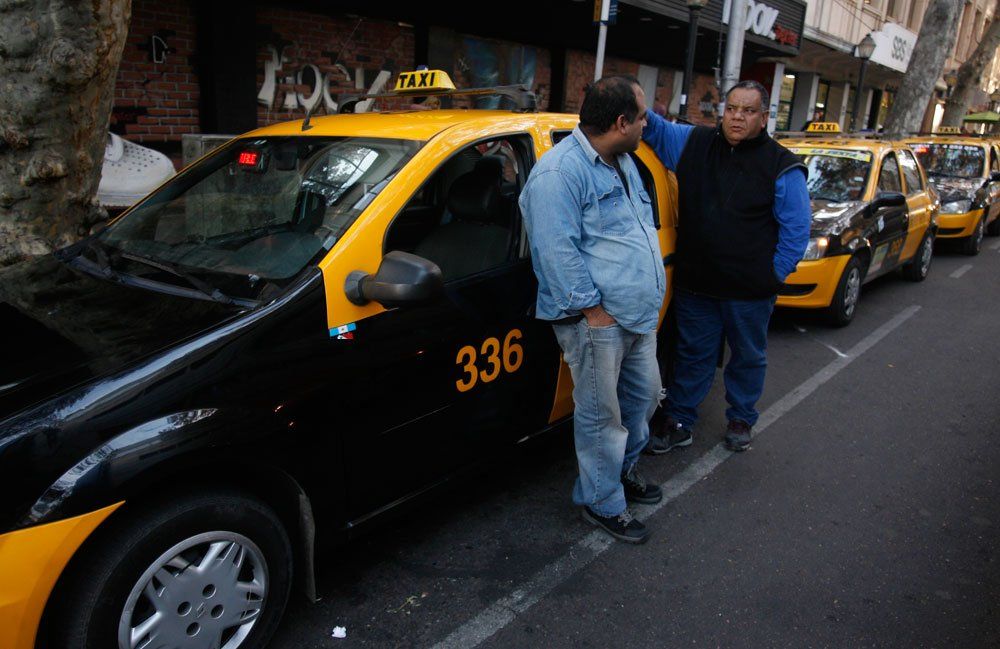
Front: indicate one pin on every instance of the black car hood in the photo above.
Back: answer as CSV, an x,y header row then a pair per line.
x,y
832,218
65,327
955,189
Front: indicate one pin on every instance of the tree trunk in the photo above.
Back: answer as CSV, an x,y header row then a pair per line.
x,y
937,36
58,62
970,74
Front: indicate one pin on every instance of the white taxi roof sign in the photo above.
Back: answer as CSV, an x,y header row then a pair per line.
x,y
423,80
823,127
949,130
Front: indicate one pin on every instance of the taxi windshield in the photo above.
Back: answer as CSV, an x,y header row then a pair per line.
x,y
258,209
835,175
957,160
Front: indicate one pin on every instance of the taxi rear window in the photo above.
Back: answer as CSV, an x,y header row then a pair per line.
x,y
836,175
955,160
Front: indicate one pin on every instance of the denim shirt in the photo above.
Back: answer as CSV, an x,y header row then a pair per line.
x,y
591,242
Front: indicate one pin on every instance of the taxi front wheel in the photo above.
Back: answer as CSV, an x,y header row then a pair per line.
x,y
208,570
845,299
917,268
972,244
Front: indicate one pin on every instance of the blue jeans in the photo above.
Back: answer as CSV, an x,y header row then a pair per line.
x,y
701,321
616,386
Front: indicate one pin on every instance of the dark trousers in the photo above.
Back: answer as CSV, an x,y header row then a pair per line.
x,y
701,322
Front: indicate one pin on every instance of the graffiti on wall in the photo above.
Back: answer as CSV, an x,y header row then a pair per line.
x,y
284,81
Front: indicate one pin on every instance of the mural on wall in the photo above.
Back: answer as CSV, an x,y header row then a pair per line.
x,y
478,63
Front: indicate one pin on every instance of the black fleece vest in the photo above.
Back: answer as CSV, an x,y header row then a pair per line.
x,y
727,233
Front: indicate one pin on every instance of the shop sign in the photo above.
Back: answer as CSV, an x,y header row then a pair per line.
x,y
760,19
893,46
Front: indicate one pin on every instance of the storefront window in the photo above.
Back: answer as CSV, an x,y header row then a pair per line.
x,y
849,113
884,106
822,97
785,103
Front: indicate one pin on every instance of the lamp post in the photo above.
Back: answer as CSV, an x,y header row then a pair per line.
x,y
694,8
864,52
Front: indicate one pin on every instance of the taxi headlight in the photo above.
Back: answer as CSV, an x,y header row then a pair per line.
x,y
956,207
816,249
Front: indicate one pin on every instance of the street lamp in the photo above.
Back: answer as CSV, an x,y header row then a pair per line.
x,y
864,52
694,8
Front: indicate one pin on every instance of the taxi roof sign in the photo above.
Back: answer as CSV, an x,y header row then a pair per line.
x,y
422,81
823,127
949,130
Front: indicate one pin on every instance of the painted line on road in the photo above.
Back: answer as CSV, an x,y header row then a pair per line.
x,y
961,271
504,610
995,245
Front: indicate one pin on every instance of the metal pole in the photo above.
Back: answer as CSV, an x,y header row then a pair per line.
x,y
689,61
734,45
857,95
602,37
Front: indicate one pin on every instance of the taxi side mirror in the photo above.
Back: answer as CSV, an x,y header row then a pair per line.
x,y
401,279
888,199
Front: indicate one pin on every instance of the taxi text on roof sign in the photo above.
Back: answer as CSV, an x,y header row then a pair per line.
x,y
424,80
949,130
823,127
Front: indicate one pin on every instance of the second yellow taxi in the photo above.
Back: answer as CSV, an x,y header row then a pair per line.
x,y
873,213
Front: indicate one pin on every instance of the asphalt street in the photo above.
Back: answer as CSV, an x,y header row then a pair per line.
x,y
866,514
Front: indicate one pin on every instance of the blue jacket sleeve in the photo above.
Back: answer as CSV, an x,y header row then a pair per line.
x,y
667,139
552,207
794,216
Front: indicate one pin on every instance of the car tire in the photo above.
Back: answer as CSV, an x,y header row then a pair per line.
x,y
219,565
847,295
993,229
917,268
972,244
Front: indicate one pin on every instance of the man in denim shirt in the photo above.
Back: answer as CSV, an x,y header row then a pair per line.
x,y
601,283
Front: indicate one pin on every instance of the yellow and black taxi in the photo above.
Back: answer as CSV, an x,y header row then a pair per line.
x,y
301,331
873,212
965,171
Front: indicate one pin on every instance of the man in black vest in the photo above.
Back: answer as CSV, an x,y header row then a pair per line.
x,y
743,225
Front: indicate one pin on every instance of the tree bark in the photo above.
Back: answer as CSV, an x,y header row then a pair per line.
x,y
970,73
937,36
58,62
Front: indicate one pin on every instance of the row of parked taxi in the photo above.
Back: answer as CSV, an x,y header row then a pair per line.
x,y
200,395
879,206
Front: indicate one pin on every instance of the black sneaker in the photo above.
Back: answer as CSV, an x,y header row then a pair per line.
x,y
638,491
623,527
738,435
670,436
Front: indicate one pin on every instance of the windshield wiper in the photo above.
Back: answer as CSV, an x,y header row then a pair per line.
x,y
202,286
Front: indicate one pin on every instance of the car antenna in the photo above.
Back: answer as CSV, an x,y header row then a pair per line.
x,y
309,113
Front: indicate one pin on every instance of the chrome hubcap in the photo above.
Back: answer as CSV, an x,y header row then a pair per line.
x,y
851,291
206,592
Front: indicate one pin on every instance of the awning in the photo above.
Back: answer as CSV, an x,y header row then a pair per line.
x,y
985,117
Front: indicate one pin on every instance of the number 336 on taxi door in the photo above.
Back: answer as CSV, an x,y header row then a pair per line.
x,y
507,357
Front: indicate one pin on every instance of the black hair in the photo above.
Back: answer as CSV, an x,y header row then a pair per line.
x,y
752,85
605,99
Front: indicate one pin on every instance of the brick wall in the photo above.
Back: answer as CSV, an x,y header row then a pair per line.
x,y
580,72
316,39
157,102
